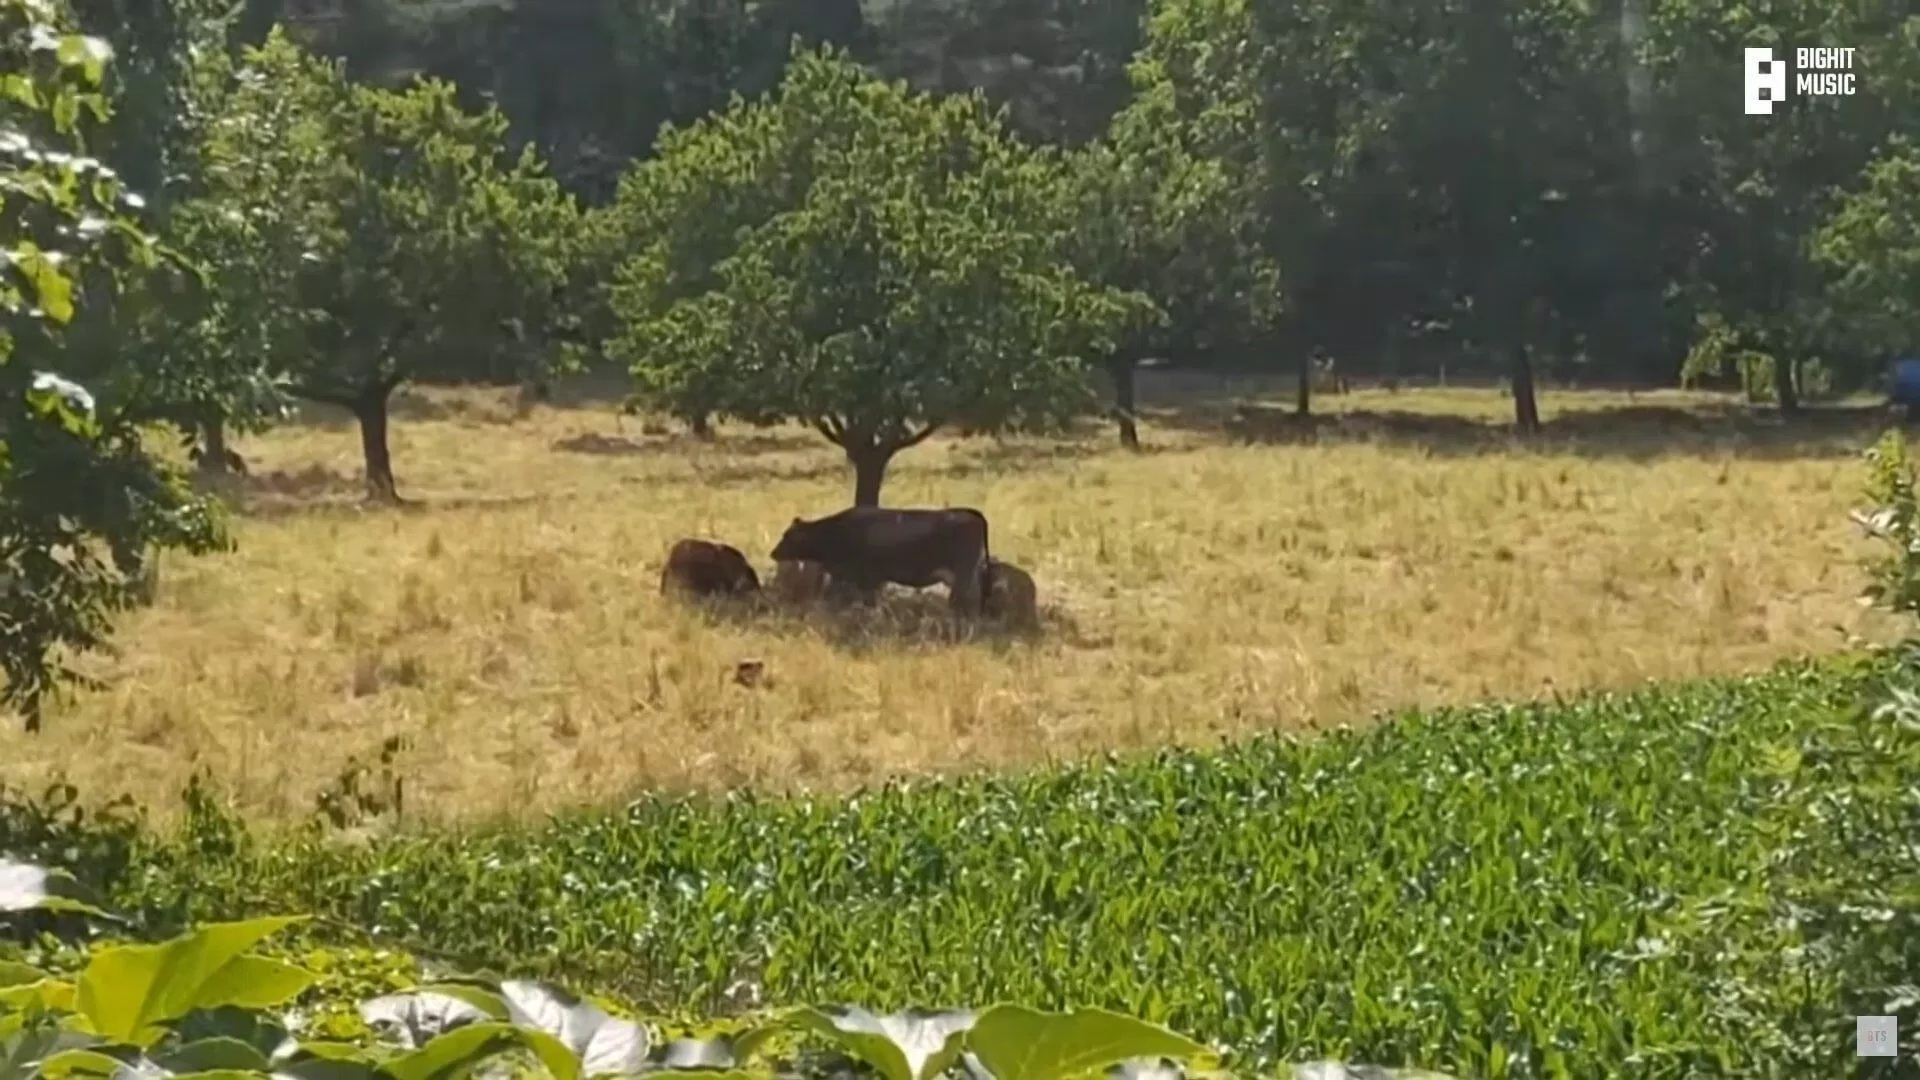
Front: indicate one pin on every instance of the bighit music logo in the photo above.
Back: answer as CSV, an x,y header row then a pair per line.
x,y
1820,72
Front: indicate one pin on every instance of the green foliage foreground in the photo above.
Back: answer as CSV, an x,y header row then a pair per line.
x,y
1702,877
82,506
200,1006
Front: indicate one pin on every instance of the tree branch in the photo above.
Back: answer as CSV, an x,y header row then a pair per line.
x,y
916,438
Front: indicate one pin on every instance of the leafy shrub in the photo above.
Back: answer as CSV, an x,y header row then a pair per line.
x,y
56,827
1894,520
202,1005
1871,905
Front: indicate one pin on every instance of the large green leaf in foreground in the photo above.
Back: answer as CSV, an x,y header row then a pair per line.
x,y
128,991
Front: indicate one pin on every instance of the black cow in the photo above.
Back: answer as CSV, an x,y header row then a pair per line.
x,y
704,568
865,547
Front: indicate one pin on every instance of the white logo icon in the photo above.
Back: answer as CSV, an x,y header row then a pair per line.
x,y
1766,82
1878,1036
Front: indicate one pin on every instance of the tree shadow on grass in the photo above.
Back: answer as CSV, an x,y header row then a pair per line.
x,y
998,456
1634,433
759,472
317,491
913,618
310,485
598,445
590,390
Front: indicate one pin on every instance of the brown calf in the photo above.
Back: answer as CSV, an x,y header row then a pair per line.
x,y
704,568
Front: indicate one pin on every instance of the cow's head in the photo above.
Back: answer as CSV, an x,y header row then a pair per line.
x,y
800,542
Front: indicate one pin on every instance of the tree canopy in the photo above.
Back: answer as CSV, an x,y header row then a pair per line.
x,y
83,507
1160,208
1871,244
872,261
381,236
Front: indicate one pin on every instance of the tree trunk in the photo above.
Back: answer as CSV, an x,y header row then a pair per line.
x,y
1303,386
371,411
215,458
1526,406
869,472
1785,387
701,425
1121,368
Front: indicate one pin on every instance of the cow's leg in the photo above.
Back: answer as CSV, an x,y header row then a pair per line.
x,y
967,589
846,582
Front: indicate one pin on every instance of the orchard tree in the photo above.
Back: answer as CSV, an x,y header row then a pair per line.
x,y
391,231
168,57
1871,244
1754,190
83,507
1303,103
1161,207
198,370
873,262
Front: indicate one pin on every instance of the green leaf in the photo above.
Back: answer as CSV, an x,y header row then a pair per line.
x,y
747,1042
455,1055
259,1030
79,1063
52,288
1018,1043
320,1068
911,1045
24,1045
329,1050
20,89
51,995
215,1053
13,973
128,991
89,54
254,982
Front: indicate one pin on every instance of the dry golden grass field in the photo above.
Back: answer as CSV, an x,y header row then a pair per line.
x,y
508,624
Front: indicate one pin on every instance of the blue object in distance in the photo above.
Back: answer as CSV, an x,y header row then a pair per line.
x,y
1906,382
